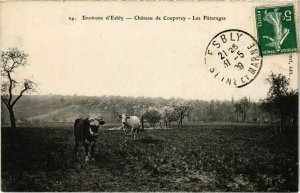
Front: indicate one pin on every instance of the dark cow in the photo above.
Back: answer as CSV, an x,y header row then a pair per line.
x,y
86,131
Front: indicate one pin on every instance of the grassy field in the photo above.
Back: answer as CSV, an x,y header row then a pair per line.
x,y
197,158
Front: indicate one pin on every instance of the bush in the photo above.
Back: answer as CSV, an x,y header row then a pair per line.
x,y
152,115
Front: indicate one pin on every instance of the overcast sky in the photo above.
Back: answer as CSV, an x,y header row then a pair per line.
x,y
129,58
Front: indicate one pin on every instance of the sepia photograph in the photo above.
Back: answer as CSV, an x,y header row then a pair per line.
x,y
149,96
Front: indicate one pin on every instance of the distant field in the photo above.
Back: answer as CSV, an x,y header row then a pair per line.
x,y
56,125
146,124
206,157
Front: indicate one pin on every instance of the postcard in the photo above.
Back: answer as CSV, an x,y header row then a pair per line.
x,y
152,96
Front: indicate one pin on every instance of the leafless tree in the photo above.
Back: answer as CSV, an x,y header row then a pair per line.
x,y
245,105
11,89
237,109
168,114
182,110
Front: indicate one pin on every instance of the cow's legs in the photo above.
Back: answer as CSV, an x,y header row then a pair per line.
x,y
76,147
134,134
137,133
125,132
131,135
127,135
86,148
93,150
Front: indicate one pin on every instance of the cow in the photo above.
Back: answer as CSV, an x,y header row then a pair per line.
x,y
86,131
130,126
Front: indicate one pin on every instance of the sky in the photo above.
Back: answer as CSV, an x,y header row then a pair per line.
x,y
129,58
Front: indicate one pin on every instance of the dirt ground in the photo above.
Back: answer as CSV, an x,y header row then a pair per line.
x,y
196,158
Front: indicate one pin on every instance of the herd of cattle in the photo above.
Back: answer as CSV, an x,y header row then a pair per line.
x,y
86,131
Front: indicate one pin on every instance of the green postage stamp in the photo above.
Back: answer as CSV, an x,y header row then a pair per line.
x,y
276,30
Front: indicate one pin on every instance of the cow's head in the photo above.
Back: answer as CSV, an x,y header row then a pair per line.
x,y
94,125
124,119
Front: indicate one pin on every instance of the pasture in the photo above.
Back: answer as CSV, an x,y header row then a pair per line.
x,y
211,157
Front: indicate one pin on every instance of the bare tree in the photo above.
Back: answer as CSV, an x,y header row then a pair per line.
x,y
182,110
168,115
11,89
245,105
238,110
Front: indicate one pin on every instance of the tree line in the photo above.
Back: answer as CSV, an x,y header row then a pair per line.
x,y
280,103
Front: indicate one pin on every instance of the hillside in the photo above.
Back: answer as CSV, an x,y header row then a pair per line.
x,y
57,108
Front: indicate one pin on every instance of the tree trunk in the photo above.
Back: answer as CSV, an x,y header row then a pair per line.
x,y
294,121
282,123
285,124
142,123
178,125
181,123
12,117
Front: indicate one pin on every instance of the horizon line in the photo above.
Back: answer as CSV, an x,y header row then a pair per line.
x,y
158,97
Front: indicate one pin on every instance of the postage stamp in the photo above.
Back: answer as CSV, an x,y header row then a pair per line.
x,y
276,30
234,58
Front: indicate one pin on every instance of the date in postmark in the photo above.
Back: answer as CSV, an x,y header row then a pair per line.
x,y
234,58
276,29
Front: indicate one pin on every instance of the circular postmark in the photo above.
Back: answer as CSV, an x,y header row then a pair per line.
x,y
234,58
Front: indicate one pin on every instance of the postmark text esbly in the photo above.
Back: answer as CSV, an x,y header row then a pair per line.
x,y
233,58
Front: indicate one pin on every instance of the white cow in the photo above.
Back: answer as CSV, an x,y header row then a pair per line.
x,y
131,126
